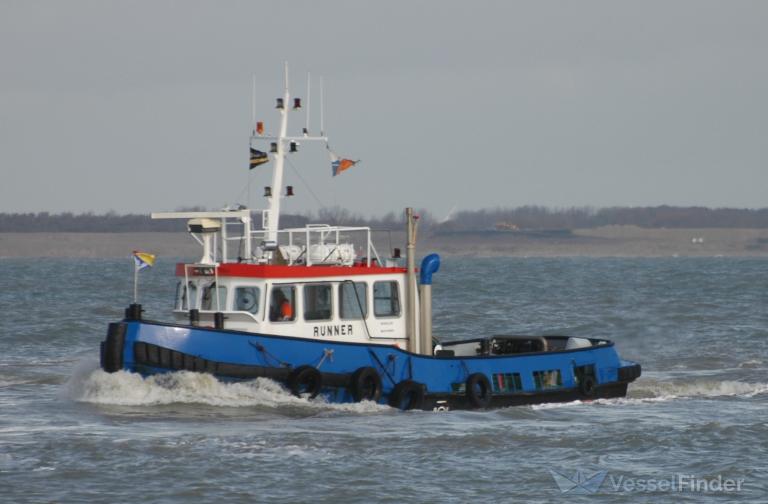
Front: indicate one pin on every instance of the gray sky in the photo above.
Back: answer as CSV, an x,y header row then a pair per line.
x,y
141,106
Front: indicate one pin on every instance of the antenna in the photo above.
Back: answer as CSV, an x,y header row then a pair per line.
x,y
322,106
253,104
309,95
281,145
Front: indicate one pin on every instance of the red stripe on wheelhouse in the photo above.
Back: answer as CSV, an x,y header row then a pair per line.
x,y
281,271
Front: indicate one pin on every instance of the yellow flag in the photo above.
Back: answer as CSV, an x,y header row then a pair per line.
x,y
143,259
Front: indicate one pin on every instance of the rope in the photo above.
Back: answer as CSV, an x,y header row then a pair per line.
x,y
382,367
359,306
260,348
327,353
309,188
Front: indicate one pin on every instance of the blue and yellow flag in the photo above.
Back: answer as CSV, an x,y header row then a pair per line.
x,y
257,158
143,259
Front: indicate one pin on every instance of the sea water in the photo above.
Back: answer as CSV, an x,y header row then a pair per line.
x,y
698,416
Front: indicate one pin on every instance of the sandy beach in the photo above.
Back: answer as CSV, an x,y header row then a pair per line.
x,y
610,241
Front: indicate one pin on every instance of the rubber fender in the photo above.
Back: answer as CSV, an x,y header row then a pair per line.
x,y
629,373
587,386
177,360
165,357
140,352
365,385
189,362
478,390
198,364
407,395
305,380
112,360
153,355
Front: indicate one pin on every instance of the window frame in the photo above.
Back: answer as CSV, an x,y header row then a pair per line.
x,y
295,305
399,302
192,296
355,285
214,289
305,304
180,297
257,302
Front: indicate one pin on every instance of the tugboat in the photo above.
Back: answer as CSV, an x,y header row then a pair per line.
x,y
319,310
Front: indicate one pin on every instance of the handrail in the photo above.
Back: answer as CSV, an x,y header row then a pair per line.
x,y
310,235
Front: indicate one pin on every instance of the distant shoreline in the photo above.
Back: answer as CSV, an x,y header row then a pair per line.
x,y
608,241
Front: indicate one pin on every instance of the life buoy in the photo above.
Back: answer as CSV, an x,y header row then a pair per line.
x,y
305,380
407,395
365,385
587,386
478,390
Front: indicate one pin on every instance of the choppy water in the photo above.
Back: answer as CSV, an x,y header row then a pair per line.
x,y
71,433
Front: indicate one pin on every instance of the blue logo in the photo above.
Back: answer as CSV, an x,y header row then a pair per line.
x,y
579,483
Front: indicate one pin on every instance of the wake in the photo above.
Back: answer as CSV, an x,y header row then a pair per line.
x,y
654,391
90,384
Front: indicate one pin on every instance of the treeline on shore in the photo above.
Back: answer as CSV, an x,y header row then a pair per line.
x,y
539,217
526,217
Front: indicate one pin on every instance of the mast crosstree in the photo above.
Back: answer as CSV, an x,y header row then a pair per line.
x,y
271,219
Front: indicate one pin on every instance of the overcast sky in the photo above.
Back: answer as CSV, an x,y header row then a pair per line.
x,y
141,106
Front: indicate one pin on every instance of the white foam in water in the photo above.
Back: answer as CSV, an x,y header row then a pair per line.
x,y
11,382
91,384
698,388
657,391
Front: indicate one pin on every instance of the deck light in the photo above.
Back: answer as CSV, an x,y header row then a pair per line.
x,y
269,245
273,147
280,103
267,192
289,190
296,103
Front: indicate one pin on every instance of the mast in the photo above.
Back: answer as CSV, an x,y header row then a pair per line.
x,y
279,149
273,215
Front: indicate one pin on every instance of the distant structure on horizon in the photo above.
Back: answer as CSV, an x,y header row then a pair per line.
x,y
499,219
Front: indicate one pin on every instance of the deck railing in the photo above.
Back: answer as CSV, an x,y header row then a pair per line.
x,y
301,245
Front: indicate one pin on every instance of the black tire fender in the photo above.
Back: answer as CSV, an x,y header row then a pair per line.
x,y
407,395
305,380
587,386
478,390
365,385
112,348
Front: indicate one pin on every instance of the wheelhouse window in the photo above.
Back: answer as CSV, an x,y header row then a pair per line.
x,y
353,300
209,300
181,296
188,295
386,299
282,305
317,302
247,299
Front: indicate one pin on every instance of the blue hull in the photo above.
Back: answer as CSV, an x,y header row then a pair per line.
x,y
451,382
